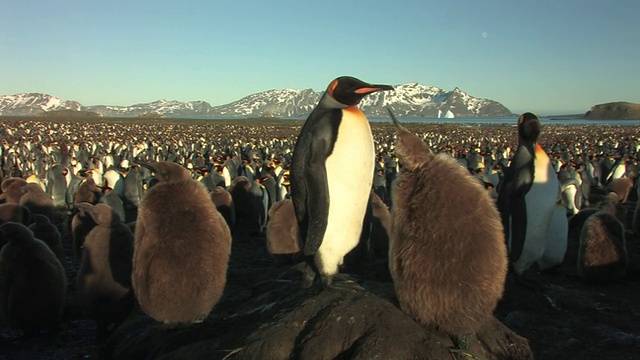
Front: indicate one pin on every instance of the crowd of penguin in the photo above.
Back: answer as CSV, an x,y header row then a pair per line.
x,y
452,209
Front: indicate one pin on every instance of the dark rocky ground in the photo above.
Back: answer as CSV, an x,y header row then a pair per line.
x,y
264,314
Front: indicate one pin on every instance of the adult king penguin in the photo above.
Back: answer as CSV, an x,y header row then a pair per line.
x,y
331,177
528,203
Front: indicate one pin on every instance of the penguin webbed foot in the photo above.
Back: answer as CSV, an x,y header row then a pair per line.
x,y
308,277
527,281
341,282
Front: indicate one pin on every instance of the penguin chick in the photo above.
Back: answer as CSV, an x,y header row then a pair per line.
x,y
602,255
44,230
182,248
81,225
104,276
87,192
36,200
32,281
224,203
14,212
621,187
12,189
447,255
283,237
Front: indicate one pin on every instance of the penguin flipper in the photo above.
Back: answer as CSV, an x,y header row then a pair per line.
x,y
317,198
518,230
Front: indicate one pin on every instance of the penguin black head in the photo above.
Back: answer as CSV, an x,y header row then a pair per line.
x,y
528,127
349,91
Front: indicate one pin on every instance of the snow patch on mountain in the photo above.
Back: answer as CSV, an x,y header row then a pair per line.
x,y
411,99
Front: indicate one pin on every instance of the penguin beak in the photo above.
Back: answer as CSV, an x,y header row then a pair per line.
x,y
373,88
395,121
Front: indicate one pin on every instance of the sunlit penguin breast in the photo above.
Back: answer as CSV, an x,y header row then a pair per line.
x,y
349,176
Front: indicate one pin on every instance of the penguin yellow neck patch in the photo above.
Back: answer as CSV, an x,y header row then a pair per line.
x,y
354,111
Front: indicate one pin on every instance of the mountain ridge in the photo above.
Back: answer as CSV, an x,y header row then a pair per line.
x,y
410,99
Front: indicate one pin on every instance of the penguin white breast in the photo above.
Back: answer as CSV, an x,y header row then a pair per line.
x,y
349,176
542,197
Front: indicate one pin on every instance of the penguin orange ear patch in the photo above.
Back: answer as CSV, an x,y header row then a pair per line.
x,y
332,87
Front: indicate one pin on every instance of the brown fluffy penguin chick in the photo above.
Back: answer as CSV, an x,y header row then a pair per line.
x,y
81,224
224,203
44,230
14,212
87,192
622,187
32,281
447,254
38,201
283,236
182,248
12,189
602,255
104,276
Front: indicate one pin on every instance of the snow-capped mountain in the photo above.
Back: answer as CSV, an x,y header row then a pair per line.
x,y
429,101
407,100
33,104
286,102
163,107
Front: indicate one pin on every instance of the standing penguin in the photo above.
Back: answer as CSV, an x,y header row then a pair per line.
x,y
182,247
448,266
58,178
32,281
331,177
104,276
527,198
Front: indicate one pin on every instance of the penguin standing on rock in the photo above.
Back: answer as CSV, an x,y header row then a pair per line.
x,y
181,250
331,177
535,225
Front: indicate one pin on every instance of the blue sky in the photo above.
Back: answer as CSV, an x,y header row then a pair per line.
x,y
545,56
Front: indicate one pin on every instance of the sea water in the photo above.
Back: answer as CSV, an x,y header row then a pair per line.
x,y
507,121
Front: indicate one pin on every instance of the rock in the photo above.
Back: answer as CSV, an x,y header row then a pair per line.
x,y
286,322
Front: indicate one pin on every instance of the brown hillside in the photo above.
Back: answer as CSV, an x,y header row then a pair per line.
x,y
614,110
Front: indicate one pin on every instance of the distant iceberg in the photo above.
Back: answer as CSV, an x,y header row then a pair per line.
x,y
447,115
